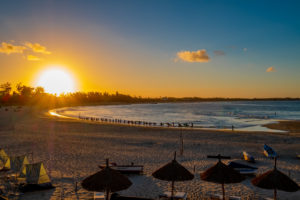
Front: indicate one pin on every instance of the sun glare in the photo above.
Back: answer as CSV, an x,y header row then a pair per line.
x,y
56,81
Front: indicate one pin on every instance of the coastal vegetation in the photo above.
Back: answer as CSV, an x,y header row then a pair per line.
x,y
36,96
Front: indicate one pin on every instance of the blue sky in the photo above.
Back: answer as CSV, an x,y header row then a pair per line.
x,y
137,43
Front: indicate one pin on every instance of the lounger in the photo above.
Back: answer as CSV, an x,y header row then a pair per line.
x,y
177,196
99,196
220,197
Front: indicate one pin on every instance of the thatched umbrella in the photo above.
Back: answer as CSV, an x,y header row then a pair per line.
x,y
274,179
221,173
173,171
108,180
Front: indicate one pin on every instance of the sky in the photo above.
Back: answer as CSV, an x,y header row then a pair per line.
x,y
155,48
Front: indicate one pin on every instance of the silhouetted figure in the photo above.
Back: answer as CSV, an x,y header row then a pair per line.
x,y
232,128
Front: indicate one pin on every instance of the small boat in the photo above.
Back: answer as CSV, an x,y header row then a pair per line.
x,y
242,168
269,152
126,169
176,196
248,157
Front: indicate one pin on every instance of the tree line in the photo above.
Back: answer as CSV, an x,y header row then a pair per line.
x,y
26,95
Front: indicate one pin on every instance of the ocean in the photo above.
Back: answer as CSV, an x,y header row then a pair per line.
x,y
242,115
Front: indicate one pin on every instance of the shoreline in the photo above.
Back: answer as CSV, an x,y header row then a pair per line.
x,y
277,127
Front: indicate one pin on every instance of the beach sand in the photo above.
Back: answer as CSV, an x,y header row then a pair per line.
x,y
71,150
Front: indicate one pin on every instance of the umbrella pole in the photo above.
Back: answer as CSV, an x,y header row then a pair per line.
x,y
223,190
107,194
172,190
275,194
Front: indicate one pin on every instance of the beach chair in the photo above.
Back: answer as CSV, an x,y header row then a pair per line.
x,y
234,198
177,196
220,197
99,196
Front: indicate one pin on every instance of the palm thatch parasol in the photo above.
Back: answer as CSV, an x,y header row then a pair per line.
x,y
274,179
108,180
173,171
221,173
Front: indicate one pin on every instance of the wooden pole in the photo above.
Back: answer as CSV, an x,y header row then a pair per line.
x,y
107,194
275,194
172,191
223,191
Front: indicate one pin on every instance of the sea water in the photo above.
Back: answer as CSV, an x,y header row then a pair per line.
x,y
242,115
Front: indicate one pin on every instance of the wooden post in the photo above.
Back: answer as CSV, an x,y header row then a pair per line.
x,y
223,191
107,194
172,191
181,142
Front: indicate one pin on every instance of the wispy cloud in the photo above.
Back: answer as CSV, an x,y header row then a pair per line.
x,y
7,48
271,69
219,53
194,56
245,49
27,50
33,58
36,47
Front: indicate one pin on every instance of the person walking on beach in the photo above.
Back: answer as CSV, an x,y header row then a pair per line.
x,y
232,127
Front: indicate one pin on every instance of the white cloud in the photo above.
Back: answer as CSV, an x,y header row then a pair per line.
x,y
194,56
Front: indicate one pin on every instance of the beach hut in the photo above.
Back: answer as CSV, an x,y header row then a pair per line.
x,y
3,157
221,173
36,174
173,171
16,163
36,178
107,180
276,180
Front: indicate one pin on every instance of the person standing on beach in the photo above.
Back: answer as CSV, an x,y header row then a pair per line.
x,y
232,127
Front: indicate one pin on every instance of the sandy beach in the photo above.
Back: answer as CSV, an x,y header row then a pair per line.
x,y
72,149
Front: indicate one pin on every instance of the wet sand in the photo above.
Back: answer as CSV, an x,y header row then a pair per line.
x,y
289,126
72,150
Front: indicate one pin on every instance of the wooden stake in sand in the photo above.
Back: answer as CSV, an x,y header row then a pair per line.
x,y
181,143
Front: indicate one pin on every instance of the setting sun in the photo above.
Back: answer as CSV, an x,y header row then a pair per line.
x,y
56,81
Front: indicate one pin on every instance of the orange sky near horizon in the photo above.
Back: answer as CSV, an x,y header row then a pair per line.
x,y
157,84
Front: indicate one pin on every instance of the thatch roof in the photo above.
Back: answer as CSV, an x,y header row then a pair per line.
x,y
173,171
274,179
221,173
106,179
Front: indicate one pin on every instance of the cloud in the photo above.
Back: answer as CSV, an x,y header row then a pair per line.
x,y
245,49
271,69
219,53
36,47
10,48
25,50
194,56
33,58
